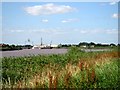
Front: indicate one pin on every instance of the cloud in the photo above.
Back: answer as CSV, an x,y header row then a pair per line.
x,y
96,31
45,20
112,31
115,15
109,3
113,3
69,20
17,30
63,31
48,9
88,31
84,31
48,31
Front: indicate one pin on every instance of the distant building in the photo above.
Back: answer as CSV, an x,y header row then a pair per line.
x,y
54,46
44,46
84,46
92,46
35,47
2,45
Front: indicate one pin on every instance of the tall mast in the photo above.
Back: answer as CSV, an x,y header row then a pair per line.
x,y
41,41
50,43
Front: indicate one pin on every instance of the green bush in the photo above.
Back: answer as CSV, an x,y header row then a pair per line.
x,y
16,69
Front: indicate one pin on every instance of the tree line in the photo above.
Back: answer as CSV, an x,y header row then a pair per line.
x,y
91,44
5,47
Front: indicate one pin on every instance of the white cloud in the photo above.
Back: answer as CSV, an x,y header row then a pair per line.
x,y
69,20
45,20
113,3
96,31
84,31
17,30
48,9
109,3
88,31
61,31
48,31
112,31
115,15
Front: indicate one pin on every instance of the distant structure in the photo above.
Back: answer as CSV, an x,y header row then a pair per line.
x,y
41,42
84,46
28,42
92,46
44,46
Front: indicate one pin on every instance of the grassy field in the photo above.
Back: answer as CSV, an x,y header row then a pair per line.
x,y
75,69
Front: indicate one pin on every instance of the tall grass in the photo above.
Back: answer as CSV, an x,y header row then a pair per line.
x,y
76,69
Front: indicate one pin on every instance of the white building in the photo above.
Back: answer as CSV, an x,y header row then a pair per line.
x,y
84,46
44,46
54,46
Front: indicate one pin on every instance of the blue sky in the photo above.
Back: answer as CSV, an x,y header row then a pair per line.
x,y
61,22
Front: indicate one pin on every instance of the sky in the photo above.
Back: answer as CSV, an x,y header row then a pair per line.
x,y
59,22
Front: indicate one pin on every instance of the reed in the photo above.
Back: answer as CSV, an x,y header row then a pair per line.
x,y
72,70
50,80
67,79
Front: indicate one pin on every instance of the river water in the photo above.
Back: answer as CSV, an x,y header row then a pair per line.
x,y
29,52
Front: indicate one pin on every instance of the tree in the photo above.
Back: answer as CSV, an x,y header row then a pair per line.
x,y
112,44
83,43
92,43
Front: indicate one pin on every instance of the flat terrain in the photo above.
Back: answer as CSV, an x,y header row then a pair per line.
x,y
28,52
